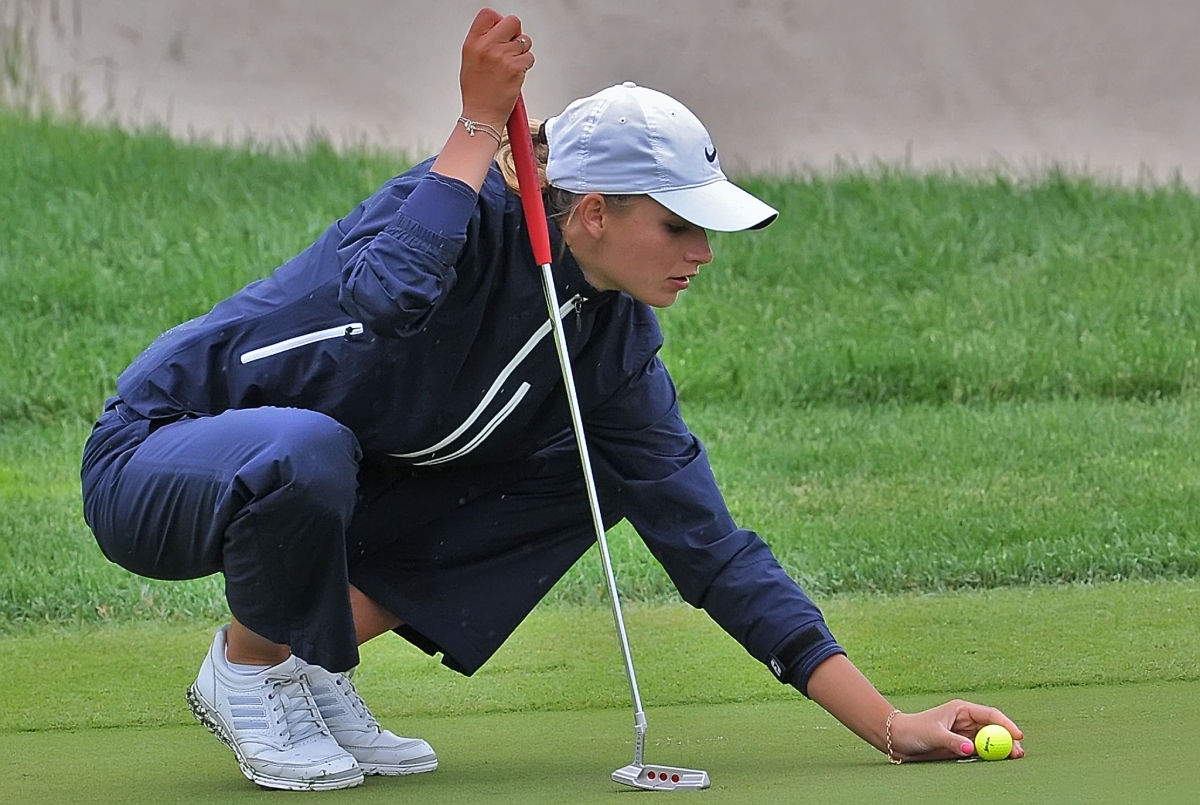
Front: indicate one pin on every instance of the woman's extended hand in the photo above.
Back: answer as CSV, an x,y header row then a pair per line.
x,y
947,731
495,57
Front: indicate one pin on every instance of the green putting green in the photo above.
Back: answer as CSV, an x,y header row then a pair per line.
x,y
96,714
1086,745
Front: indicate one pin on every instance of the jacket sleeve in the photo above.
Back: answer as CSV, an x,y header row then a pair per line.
x,y
399,250
659,477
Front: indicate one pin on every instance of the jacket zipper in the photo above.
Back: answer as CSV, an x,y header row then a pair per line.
x,y
341,331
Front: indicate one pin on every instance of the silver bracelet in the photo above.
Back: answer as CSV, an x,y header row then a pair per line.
x,y
895,761
474,125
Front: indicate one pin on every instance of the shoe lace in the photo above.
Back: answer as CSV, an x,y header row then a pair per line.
x,y
356,702
295,707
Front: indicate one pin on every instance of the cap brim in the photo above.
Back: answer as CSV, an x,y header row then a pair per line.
x,y
720,206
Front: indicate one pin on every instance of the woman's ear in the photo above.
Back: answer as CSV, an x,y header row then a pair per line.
x,y
591,213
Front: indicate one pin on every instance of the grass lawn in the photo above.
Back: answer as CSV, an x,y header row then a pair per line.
x,y
961,411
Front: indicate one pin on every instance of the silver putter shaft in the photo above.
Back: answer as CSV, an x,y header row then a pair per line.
x,y
636,774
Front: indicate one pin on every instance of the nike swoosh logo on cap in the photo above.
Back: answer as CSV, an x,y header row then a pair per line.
x,y
711,156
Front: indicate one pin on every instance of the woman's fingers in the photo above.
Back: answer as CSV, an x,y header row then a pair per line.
x,y
983,715
980,716
495,57
502,32
484,21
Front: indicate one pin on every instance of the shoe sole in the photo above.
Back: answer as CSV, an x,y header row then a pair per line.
x,y
417,766
213,723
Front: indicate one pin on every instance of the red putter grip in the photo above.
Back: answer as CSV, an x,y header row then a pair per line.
x,y
531,192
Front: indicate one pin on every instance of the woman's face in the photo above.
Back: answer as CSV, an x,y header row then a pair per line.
x,y
643,249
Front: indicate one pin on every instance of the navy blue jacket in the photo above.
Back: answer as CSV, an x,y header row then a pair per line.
x,y
419,322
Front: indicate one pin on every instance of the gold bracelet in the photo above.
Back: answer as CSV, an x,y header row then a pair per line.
x,y
895,761
474,125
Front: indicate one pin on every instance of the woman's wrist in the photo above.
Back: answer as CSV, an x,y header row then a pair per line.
x,y
468,152
473,127
484,115
839,687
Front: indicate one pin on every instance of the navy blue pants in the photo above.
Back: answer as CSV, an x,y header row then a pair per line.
x,y
282,502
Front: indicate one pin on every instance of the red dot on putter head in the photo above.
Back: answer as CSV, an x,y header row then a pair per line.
x,y
650,775
674,778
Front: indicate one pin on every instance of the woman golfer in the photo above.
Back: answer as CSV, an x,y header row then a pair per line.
x,y
376,437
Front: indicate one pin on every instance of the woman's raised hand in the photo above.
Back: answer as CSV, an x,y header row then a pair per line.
x,y
495,57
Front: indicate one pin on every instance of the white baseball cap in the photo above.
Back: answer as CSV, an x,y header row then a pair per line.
x,y
631,140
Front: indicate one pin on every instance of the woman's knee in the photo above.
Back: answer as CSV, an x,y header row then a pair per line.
x,y
164,509
307,458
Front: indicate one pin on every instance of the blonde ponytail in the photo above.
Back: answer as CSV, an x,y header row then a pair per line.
x,y
541,151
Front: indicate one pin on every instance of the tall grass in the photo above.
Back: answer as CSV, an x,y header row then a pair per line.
x,y
907,383
875,288
893,287
109,238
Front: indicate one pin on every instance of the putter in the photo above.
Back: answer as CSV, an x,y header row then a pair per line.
x,y
637,774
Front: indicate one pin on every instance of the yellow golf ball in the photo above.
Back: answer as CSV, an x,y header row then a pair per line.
x,y
993,742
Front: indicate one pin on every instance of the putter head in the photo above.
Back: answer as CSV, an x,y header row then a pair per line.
x,y
661,778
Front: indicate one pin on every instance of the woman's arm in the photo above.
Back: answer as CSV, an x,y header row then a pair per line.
x,y
642,447
398,251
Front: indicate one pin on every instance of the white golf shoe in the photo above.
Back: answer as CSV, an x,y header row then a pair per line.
x,y
272,723
352,725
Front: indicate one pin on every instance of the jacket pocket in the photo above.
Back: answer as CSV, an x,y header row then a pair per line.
x,y
341,331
